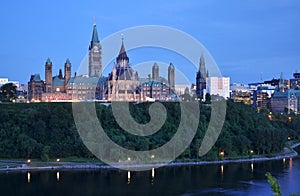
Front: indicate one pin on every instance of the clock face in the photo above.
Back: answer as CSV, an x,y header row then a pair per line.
x,y
96,49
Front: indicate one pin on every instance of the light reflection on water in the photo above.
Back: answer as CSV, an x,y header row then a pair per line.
x,y
57,176
227,179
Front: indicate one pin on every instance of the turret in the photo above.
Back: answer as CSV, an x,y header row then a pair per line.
x,y
155,72
67,71
48,75
171,76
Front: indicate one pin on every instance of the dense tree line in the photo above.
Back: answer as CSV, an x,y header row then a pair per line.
x,y
47,130
7,92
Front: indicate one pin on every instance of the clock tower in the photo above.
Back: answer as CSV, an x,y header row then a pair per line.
x,y
95,55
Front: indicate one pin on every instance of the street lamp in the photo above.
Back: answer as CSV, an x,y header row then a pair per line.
x,y
222,153
270,117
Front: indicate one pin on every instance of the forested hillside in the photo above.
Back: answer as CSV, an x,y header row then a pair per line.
x,y
47,130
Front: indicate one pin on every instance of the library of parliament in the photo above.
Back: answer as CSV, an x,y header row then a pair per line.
x,y
122,83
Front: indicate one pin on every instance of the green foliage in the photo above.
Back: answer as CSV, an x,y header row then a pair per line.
x,y
7,92
274,184
45,153
207,98
47,131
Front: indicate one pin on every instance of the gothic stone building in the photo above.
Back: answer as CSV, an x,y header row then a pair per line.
x,y
122,84
201,76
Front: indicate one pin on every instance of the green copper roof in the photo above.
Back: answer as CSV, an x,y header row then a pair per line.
x,y
281,79
160,80
57,81
155,65
95,38
171,65
48,61
37,78
68,62
85,81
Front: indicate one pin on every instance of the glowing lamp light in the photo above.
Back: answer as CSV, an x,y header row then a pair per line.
x,y
57,160
222,153
28,161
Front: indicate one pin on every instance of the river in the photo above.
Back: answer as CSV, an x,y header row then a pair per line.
x,y
227,179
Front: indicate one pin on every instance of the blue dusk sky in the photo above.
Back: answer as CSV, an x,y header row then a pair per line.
x,y
248,40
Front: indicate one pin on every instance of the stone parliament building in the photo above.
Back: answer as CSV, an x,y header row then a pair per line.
x,y
122,84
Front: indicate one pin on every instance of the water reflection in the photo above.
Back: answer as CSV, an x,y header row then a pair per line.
x,y
197,180
57,176
128,177
28,177
152,176
152,172
222,169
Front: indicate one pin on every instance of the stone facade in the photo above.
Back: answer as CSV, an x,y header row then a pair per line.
x,y
122,84
201,76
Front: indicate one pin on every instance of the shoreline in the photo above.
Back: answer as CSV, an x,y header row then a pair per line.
x,y
97,165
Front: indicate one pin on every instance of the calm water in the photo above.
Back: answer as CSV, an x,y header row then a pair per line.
x,y
228,179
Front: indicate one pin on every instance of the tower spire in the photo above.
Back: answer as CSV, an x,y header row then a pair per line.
x,y
95,55
95,39
202,68
122,54
281,83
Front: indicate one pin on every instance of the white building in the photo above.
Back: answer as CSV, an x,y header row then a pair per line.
x,y
5,81
218,86
180,88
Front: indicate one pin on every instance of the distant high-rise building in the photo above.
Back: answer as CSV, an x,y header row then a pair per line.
x,y
242,93
171,76
155,72
295,82
262,97
218,86
201,76
95,55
